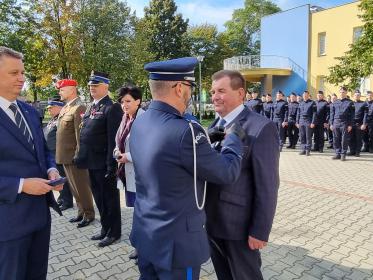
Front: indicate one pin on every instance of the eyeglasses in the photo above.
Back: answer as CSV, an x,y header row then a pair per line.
x,y
192,86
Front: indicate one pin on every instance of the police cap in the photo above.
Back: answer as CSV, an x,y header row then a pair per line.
x,y
97,78
180,69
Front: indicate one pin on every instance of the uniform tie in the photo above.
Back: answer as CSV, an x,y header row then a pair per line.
x,y
20,122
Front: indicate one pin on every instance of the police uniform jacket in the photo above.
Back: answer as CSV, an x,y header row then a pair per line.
x,y
97,135
361,108
293,108
68,131
255,105
168,229
279,111
50,131
267,109
368,117
307,112
322,113
247,207
342,113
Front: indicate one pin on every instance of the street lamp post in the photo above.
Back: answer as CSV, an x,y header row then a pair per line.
x,y
200,59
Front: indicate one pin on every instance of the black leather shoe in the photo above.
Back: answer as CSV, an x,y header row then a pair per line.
x,y
98,236
302,153
321,151
308,153
289,147
343,157
330,147
133,255
350,153
357,155
337,157
85,222
64,207
76,219
107,241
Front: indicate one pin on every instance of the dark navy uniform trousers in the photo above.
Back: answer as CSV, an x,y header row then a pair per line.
x,y
341,139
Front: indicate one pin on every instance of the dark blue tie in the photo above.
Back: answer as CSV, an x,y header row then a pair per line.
x,y
222,122
20,122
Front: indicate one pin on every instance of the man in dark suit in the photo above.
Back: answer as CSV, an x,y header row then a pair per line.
x,y
25,167
65,200
240,215
97,142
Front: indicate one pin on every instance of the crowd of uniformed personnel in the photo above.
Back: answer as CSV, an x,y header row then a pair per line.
x,y
347,125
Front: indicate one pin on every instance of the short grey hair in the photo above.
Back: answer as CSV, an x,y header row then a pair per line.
x,y
160,88
4,51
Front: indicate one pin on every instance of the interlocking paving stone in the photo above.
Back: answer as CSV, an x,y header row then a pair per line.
x,y
323,228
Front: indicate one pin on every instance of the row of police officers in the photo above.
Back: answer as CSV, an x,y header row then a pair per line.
x,y
350,122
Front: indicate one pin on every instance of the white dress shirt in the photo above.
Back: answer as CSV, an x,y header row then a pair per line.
x,y
232,115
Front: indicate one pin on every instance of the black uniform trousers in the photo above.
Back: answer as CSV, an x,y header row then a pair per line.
x,y
26,258
341,139
106,196
305,132
368,138
150,272
356,141
293,134
318,137
65,196
281,131
234,260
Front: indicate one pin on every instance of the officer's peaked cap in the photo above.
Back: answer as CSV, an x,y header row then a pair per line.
x,y
98,78
179,69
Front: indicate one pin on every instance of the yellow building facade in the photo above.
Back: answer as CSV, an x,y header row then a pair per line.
x,y
332,31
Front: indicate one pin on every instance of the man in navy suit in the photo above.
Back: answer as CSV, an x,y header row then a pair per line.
x,y
240,214
25,167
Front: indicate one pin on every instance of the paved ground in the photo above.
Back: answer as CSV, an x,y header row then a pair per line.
x,y
323,228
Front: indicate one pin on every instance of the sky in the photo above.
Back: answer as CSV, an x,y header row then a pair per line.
x,y
219,11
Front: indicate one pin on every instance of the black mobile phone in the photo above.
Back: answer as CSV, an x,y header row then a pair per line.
x,y
56,182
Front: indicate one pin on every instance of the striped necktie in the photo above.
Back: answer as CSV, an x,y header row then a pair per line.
x,y
20,122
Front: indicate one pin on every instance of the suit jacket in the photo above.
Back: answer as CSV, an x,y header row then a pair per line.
x,y
248,206
97,136
22,214
68,131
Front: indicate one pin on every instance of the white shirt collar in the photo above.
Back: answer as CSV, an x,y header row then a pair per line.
x,y
5,103
233,114
98,100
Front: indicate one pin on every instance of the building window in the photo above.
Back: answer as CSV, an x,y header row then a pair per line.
x,y
322,43
357,32
321,83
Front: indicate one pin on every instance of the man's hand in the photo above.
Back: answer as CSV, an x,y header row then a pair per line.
x,y
53,175
216,134
284,124
363,127
349,128
36,186
122,158
331,128
312,125
326,125
297,125
256,244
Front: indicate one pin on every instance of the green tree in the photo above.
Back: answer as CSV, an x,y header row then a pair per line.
x,y
206,41
243,30
357,62
104,32
166,30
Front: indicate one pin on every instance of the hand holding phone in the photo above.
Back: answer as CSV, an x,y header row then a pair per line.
x,y
57,182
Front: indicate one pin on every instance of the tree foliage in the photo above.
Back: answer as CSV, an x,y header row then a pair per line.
x,y
166,30
357,62
243,30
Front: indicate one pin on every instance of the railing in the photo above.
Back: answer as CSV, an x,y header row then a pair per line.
x,y
263,61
